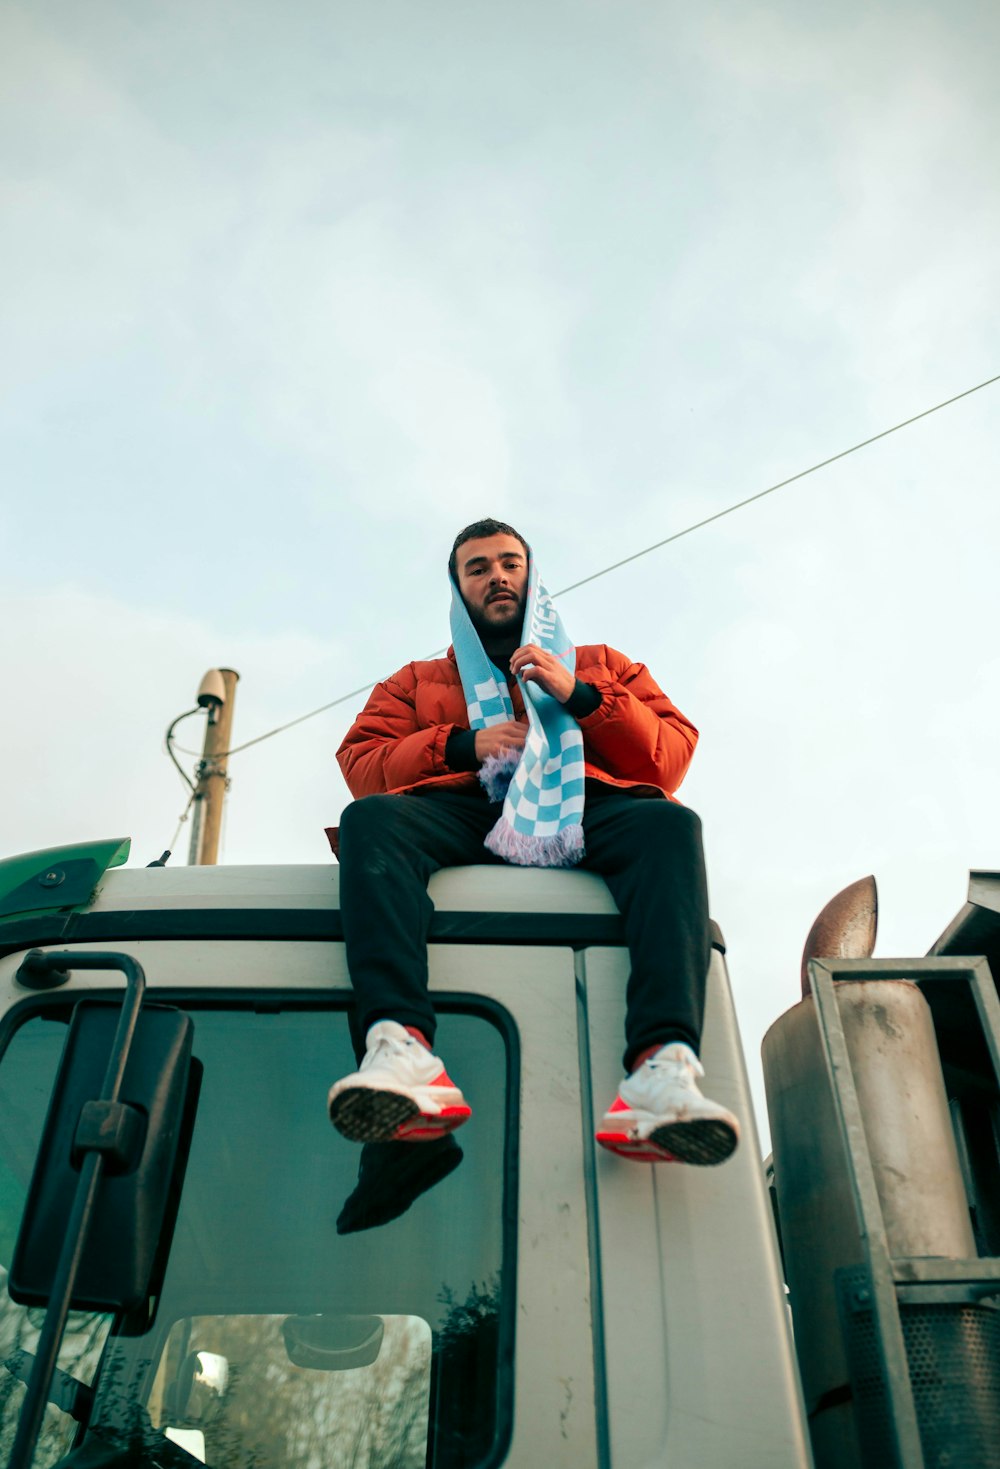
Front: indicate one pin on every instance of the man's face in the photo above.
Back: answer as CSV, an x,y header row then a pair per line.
x,y
493,579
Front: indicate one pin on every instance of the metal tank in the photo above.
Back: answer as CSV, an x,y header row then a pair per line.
x,y
891,1044
890,1039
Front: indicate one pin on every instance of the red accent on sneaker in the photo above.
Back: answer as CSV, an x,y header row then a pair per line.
x,y
637,1150
418,1035
422,1129
644,1056
617,1139
425,1126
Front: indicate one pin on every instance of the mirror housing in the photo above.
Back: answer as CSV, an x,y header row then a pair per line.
x,y
193,1399
140,1136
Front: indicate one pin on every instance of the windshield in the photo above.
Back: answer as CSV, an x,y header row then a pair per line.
x,y
323,1304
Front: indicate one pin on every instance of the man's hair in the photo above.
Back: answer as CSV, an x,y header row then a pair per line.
x,y
477,531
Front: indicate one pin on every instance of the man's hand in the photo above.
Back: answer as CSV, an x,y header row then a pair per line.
x,y
509,736
535,665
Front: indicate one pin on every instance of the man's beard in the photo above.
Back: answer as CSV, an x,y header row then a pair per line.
x,y
495,631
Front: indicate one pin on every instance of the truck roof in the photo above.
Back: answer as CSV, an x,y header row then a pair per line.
x,y
317,886
73,894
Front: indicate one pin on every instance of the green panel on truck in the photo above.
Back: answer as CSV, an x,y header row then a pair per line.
x,y
57,878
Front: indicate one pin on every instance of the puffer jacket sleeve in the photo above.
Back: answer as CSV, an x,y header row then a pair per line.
x,y
386,749
636,733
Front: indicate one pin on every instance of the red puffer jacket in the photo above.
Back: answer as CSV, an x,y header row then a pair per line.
x,y
634,738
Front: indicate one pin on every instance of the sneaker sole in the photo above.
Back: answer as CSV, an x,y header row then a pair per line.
x,y
702,1141
366,1114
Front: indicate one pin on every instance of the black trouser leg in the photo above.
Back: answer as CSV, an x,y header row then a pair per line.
x,y
650,854
389,847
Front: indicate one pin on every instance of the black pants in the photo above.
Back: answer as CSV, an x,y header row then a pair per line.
x,y
648,851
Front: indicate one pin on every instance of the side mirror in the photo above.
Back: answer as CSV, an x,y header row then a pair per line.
x,y
140,1141
193,1399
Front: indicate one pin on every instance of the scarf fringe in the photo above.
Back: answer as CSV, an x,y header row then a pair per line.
x,y
565,849
496,772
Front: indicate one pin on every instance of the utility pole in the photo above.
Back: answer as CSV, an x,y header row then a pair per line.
x,y
218,695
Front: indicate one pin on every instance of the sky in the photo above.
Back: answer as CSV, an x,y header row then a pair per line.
x,y
291,294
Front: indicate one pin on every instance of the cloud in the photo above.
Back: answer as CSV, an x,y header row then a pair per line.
x,y
104,213
91,685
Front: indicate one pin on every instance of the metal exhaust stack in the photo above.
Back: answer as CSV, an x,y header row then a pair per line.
x,y
892,1091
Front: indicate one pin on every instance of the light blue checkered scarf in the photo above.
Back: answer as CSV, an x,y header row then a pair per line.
x,y
542,791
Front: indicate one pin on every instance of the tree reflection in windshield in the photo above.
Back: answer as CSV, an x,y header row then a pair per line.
x,y
276,1415
281,1220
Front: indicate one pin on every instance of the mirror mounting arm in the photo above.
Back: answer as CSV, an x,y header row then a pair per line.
x,y
94,1156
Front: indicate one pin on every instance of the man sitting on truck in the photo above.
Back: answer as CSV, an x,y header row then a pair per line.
x,y
517,747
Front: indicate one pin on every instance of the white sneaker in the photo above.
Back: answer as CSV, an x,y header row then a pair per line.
x,y
400,1091
660,1115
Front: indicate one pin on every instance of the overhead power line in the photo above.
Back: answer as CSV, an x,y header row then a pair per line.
x,y
740,504
655,546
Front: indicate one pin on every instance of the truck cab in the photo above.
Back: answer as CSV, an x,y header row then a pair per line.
x,y
515,1296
